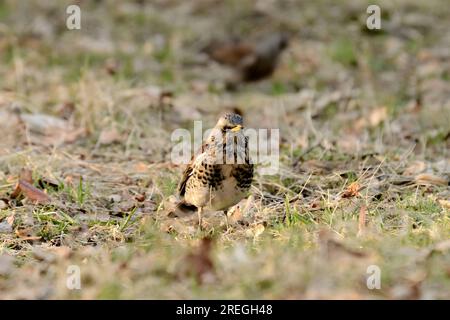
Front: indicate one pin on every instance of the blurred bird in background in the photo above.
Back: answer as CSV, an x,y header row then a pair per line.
x,y
252,61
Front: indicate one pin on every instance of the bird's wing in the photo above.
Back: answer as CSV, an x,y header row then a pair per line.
x,y
231,54
186,175
188,171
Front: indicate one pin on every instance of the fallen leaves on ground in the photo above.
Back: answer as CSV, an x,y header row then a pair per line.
x,y
26,234
31,192
352,190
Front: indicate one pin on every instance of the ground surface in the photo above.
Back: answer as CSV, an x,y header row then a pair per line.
x,y
86,116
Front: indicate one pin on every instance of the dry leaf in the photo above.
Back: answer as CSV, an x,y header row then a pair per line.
x,y
16,192
26,175
31,192
26,234
140,197
430,179
69,180
352,190
140,167
235,214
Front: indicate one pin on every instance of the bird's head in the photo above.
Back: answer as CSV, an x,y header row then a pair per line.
x,y
230,122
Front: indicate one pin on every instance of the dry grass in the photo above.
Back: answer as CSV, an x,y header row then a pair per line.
x,y
364,169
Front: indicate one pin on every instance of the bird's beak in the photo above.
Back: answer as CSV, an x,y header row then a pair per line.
x,y
237,128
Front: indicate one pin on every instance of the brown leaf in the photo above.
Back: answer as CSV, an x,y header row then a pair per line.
x,y
140,197
141,167
26,234
26,175
352,190
31,192
16,192
236,214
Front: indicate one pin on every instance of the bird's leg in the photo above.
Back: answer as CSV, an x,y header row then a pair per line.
x,y
226,219
200,216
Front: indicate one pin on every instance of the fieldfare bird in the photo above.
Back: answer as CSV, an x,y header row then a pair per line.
x,y
252,61
220,175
